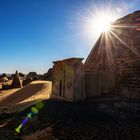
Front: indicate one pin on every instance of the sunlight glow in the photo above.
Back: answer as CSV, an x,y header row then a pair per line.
x,y
102,23
97,23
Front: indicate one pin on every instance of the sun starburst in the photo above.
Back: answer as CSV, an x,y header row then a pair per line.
x,y
102,23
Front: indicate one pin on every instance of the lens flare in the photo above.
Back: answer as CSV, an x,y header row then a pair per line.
x,y
39,105
23,122
34,110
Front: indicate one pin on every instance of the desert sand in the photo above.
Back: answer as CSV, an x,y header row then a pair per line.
x,y
17,99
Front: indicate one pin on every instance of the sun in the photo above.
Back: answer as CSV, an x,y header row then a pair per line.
x,y
102,23
98,23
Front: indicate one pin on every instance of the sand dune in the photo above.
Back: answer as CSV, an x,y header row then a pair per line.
x,y
33,91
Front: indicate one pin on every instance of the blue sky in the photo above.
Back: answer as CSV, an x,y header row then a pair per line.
x,y
33,33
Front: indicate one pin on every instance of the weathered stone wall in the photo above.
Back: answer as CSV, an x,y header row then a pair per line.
x,y
57,76
100,83
79,86
100,69
68,78
128,54
69,75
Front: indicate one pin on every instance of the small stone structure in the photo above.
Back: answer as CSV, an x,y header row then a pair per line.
x,y
32,76
16,83
68,79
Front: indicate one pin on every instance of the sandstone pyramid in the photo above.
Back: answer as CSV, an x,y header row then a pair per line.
x,y
16,83
32,76
113,65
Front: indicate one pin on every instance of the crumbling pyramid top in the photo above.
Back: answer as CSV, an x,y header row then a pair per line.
x,y
16,83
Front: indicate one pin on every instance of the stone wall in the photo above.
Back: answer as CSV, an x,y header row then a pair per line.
x,y
68,79
128,54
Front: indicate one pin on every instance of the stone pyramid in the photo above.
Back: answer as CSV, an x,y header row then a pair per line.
x,y
100,69
16,83
113,65
101,56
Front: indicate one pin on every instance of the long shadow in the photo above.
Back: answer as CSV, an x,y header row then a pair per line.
x,y
22,94
79,120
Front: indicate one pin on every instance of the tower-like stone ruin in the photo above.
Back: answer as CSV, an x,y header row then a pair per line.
x,y
68,79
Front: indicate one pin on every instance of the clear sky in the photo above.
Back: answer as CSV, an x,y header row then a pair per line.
x,y
33,33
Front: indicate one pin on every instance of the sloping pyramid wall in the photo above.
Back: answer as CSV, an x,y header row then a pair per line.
x,y
113,66
100,69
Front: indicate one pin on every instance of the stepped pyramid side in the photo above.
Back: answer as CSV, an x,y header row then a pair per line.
x,y
113,65
101,56
16,83
128,54
100,69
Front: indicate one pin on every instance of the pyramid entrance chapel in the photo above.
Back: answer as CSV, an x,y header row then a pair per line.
x,y
111,68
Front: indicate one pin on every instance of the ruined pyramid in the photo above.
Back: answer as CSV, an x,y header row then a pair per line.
x,y
113,65
16,83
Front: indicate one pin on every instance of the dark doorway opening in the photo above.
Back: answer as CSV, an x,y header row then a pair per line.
x,y
60,88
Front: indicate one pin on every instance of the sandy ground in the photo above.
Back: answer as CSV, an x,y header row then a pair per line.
x,y
16,99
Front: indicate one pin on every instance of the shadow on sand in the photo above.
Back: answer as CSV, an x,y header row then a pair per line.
x,y
22,94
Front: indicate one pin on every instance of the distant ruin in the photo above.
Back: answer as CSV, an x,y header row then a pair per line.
x,y
31,76
16,83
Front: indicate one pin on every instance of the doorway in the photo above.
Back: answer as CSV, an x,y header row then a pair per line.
x,y
60,88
